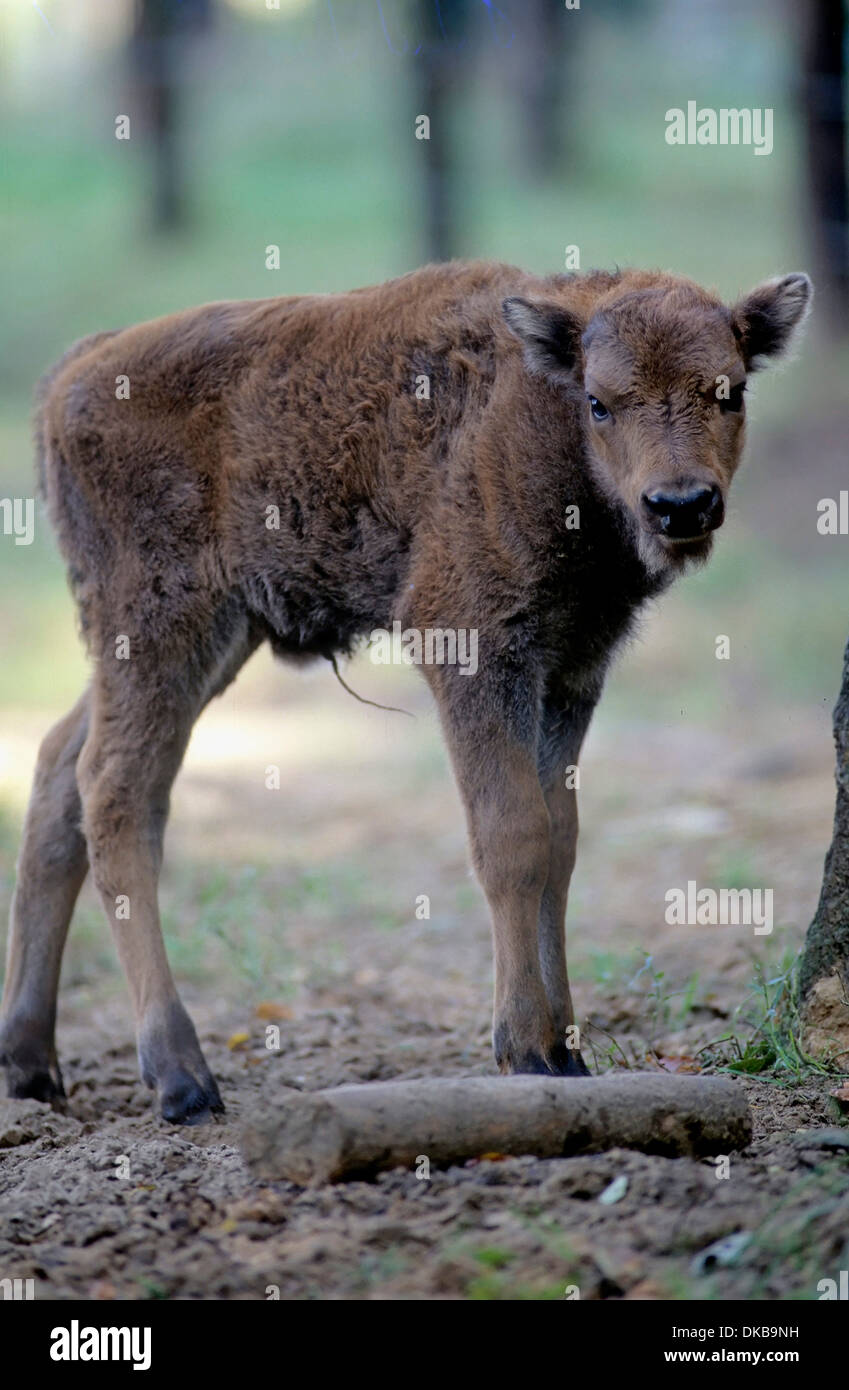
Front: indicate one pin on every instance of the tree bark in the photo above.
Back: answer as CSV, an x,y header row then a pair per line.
x,y
824,966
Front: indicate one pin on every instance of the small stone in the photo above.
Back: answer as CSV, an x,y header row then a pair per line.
x,y
723,1252
830,1137
615,1191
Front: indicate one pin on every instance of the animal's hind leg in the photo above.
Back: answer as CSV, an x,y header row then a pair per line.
x,y
142,715
51,868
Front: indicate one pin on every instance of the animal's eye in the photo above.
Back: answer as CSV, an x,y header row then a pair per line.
x,y
735,399
599,411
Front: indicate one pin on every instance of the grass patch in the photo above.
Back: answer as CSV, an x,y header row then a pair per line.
x,y
766,1041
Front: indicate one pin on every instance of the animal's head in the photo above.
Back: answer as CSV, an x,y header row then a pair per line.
x,y
663,366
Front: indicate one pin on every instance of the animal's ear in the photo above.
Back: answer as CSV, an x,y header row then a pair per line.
x,y
764,322
550,336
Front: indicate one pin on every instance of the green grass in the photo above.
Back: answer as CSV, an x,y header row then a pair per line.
x,y
765,1040
488,1272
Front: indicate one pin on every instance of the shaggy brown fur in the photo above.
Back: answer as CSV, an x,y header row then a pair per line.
x,y
448,512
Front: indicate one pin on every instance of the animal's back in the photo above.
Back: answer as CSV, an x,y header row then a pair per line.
x,y
164,445
161,446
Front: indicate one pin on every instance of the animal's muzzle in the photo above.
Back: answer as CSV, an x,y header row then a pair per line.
x,y
684,514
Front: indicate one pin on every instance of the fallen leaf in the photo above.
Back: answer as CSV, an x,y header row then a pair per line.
x,y
647,1289
677,1064
271,1011
102,1290
237,1040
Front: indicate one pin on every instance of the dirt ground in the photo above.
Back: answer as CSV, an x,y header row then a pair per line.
x,y
320,935
106,1203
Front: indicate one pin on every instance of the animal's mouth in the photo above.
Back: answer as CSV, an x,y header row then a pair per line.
x,y
666,555
679,552
683,542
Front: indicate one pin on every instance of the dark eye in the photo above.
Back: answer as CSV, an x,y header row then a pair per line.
x,y
735,399
599,411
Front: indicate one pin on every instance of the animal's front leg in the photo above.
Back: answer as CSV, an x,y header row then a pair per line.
x,y
491,724
564,724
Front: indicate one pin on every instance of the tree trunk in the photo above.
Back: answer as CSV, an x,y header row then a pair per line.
x,y
157,57
824,967
546,47
824,95
439,69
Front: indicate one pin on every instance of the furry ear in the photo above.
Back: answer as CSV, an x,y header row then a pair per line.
x,y
765,321
550,336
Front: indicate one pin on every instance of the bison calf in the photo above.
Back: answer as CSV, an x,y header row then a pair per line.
x,y
467,447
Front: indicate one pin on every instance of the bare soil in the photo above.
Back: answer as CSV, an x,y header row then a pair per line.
x,y
321,940
107,1203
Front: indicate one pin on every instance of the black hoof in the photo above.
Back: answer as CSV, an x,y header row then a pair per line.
x,y
170,1060
183,1101
513,1060
37,1085
566,1062
560,1060
32,1072
530,1064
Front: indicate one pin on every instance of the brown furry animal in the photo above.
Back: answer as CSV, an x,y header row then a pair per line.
x,y
617,395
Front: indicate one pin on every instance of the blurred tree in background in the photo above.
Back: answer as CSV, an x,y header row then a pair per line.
x,y
162,31
539,95
547,55
294,125
824,104
440,64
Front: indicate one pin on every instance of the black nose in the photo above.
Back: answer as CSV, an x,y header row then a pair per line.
x,y
685,514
